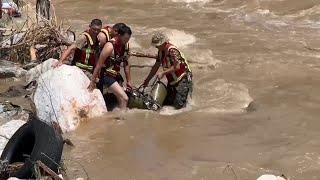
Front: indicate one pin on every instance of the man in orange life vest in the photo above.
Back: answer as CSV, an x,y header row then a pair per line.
x,y
86,49
108,32
176,70
112,55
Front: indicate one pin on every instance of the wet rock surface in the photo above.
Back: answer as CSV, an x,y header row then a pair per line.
x,y
19,90
9,69
9,111
16,91
35,72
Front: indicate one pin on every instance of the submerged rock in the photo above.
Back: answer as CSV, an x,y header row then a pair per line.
x,y
252,107
62,96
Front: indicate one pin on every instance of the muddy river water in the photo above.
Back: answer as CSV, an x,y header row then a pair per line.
x,y
242,51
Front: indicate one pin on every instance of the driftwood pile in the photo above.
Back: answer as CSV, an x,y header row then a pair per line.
x,y
40,42
38,38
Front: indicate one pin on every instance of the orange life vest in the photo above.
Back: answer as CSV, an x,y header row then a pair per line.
x,y
167,62
106,32
85,58
120,53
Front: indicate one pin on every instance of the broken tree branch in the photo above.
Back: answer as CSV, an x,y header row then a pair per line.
x,y
49,171
140,66
140,54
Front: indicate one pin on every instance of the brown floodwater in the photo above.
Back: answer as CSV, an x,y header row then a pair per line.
x,y
241,51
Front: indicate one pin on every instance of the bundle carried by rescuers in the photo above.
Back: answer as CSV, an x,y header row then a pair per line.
x,y
101,52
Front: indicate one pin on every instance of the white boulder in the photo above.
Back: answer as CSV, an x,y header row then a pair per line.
x,y
34,73
62,96
270,177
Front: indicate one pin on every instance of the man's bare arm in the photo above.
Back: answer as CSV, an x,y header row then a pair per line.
x,y
80,43
106,52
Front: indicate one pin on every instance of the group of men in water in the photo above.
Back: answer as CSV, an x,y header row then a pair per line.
x,y
101,51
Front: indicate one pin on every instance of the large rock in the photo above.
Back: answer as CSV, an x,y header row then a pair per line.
x,y
62,96
34,73
270,177
9,69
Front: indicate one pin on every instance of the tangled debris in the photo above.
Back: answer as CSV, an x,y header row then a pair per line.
x,y
41,170
7,169
36,39
42,40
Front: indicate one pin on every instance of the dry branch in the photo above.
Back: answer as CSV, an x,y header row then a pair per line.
x,y
45,36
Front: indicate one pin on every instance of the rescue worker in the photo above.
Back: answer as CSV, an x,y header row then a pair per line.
x,y
85,49
175,68
108,32
112,55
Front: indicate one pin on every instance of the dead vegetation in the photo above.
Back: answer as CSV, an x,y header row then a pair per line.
x,y
35,40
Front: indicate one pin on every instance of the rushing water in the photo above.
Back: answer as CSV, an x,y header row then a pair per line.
x,y
241,51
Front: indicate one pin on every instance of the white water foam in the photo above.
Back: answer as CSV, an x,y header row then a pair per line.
x,y
203,58
313,11
180,38
269,19
169,110
142,42
177,37
219,96
134,44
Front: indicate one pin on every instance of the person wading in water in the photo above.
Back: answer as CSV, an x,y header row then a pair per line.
x,y
106,34
175,68
112,55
